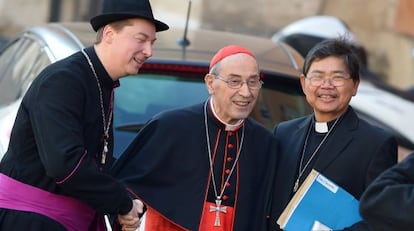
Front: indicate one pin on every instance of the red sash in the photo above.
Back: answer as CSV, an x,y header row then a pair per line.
x,y
73,214
155,221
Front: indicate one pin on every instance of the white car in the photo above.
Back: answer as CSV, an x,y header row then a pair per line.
x,y
21,60
388,111
7,115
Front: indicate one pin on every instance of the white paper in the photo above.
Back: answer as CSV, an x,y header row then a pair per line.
x,y
318,226
142,225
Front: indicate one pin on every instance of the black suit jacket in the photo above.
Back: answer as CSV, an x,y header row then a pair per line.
x,y
352,156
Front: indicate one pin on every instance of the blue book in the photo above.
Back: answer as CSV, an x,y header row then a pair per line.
x,y
319,205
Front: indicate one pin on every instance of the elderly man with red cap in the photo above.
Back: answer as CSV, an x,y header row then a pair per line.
x,y
54,175
207,166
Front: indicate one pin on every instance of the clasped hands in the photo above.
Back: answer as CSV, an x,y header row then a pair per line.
x,y
131,221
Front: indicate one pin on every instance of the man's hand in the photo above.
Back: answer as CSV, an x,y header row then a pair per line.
x,y
131,221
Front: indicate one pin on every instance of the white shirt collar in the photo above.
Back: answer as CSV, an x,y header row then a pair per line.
x,y
229,127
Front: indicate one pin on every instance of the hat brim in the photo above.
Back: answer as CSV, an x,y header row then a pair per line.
x,y
104,19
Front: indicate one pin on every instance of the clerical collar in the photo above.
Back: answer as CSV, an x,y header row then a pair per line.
x,y
323,127
105,79
229,127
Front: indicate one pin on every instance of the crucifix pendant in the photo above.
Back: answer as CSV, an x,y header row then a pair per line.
x,y
296,186
218,208
104,152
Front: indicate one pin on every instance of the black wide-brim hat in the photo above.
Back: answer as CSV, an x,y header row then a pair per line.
x,y
117,10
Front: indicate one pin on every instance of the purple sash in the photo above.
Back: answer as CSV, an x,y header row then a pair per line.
x,y
73,214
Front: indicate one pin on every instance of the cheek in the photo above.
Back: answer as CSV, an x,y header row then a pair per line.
x,y
350,91
256,94
307,90
211,87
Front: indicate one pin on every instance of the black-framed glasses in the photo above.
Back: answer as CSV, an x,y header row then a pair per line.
x,y
336,81
236,83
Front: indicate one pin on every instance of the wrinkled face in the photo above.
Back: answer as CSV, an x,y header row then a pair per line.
x,y
130,46
327,100
231,104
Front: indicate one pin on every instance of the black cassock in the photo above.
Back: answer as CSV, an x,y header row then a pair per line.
x,y
167,166
56,142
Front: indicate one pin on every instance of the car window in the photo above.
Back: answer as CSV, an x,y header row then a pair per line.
x,y
140,97
279,104
20,63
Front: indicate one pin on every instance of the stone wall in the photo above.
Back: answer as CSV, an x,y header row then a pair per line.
x,y
18,14
373,21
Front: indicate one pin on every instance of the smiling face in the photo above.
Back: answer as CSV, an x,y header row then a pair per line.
x,y
328,101
230,104
127,48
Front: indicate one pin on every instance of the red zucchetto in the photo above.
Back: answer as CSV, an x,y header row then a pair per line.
x,y
227,51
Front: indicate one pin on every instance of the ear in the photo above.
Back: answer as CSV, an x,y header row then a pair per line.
x,y
356,84
303,83
108,34
208,79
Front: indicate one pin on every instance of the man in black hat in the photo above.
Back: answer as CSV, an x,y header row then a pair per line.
x,y
54,174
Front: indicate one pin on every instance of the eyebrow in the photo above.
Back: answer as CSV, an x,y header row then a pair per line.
x,y
145,35
237,75
334,72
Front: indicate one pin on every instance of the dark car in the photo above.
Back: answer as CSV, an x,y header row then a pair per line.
x,y
173,77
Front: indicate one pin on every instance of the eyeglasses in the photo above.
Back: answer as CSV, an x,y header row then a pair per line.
x,y
336,81
254,83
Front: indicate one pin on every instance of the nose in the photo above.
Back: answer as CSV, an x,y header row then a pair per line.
x,y
147,49
244,90
327,82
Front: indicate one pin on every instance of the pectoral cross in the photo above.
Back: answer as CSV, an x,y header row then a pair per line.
x,y
104,152
295,188
218,208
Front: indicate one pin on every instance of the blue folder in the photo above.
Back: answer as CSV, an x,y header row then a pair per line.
x,y
319,205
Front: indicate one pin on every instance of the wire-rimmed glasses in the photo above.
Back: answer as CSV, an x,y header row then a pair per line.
x,y
337,81
236,83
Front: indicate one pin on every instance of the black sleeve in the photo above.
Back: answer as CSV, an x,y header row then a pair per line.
x,y
387,204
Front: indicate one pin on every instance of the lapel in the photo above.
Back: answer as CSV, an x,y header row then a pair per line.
x,y
295,148
338,141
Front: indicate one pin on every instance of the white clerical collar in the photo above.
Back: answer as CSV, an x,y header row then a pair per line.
x,y
229,127
321,127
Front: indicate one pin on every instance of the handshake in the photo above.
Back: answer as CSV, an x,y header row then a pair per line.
x,y
132,220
